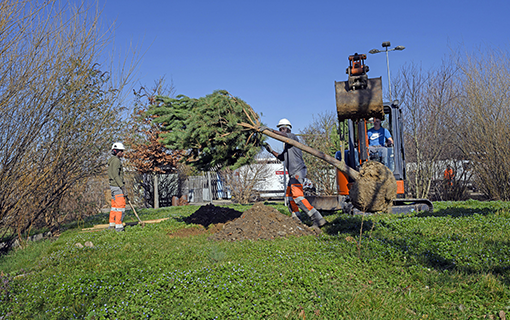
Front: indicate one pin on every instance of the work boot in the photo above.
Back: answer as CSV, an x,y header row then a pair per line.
x,y
318,220
296,216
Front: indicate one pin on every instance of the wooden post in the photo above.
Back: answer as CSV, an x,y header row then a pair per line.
x,y
156,191
210,186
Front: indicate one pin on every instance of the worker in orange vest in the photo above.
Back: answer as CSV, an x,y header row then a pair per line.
x,y
449,175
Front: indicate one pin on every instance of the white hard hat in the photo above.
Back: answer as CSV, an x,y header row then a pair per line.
x,y
284,123
118,146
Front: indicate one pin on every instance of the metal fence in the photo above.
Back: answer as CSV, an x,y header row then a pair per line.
x,y
203,188
196,189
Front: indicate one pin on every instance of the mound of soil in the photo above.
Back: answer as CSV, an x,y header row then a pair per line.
x,y
376,188
210,214
261,222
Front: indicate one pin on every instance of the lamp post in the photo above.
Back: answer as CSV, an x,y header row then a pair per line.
x,y
385,45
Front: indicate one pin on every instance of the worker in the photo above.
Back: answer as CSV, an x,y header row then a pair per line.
x,y
449,175
378,139
117,187
293,159
379,136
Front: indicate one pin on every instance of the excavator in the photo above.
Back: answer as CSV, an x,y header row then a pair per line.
x,y
358,100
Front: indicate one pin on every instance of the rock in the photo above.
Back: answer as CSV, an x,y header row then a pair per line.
x,y
89,244
350,239
37,237
79,245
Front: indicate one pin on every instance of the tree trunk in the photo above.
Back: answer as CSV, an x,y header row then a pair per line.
x,y
210,186
156,191
340,165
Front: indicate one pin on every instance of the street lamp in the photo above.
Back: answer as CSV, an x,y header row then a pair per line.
x,y
385,45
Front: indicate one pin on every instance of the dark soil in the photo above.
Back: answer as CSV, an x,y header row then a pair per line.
x,y
210,214
261,222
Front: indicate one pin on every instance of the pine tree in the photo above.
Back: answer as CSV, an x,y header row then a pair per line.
x,y
208,129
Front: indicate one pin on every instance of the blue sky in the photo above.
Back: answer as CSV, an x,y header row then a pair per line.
x,y
282,57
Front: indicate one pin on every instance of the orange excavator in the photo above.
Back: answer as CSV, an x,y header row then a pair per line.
x,y
357,100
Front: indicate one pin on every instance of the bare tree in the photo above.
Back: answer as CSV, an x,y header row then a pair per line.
x,y
483,117
244,183
59,109
428,100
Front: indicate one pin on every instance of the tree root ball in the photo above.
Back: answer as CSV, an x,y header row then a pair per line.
x,y
375,189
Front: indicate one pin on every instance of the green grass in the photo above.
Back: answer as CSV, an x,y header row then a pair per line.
x,y
452,263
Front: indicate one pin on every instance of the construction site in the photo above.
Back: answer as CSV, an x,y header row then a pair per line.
x,y
254,160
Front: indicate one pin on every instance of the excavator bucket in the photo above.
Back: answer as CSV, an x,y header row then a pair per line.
x,y
359,104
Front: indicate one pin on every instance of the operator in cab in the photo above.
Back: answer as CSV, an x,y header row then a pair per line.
x,y
379,136
378,139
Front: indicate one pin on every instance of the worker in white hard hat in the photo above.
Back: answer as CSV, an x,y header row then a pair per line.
x,y
293,159
117,187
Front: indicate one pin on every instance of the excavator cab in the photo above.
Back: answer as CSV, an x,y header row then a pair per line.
x,y
393,157
359,152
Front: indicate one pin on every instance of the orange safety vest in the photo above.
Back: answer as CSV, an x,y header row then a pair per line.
x,y
448,175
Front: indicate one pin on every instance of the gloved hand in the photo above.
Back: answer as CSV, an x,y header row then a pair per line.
x,y
268,147
262,128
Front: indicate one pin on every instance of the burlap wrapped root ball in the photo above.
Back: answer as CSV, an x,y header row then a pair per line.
x,y
375,189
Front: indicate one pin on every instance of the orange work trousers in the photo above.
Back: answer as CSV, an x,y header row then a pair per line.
x,y
118,207
296,197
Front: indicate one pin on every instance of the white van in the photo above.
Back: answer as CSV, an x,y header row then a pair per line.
x,y
273,186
